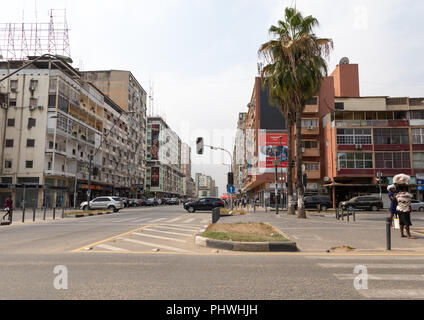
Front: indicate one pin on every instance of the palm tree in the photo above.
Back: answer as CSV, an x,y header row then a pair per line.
x,y
272,79
299,55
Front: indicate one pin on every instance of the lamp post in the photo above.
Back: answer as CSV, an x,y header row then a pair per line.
x,y
91,157
379,176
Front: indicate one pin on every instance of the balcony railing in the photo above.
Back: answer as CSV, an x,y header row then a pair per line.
x,y
371,123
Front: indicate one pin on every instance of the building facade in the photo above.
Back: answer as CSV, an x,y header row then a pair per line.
x,y
205,186
165,170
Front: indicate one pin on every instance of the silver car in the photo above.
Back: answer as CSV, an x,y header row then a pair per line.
x,y
112,203
417,205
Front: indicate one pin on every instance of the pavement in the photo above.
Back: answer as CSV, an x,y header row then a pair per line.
x,y
118,269
321,231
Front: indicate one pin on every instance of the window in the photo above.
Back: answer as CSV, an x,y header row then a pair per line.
x,y
391,136
419,160
29,164
10,122
355,160
310,144
9,143
417,136
8,164
33,102
354,136
399,160
12,103
14,85
339,105
311,166
417,115
306,123
30,143
31,123
7,180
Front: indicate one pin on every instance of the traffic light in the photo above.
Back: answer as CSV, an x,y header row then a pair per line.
x,y
199,145
230,179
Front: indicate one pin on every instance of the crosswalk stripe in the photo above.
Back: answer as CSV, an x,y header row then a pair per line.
x,y
360,258
177,228
189,220
174,220
393,293
205,221
157,220
168,232
155,245
158,237
372,265
108,247
384,277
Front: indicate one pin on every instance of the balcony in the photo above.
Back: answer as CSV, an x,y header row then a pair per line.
x,y
370,123
311,152
311,109
310,131
313,175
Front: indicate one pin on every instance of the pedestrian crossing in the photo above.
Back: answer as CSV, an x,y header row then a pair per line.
x,y
169,235
386,277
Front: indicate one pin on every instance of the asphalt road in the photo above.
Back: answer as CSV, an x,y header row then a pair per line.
x,y
123,269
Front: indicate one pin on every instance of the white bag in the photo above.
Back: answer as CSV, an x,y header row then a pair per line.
x,y
402,179
396,223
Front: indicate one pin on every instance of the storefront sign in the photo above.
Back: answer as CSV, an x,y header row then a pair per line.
x,y
272,146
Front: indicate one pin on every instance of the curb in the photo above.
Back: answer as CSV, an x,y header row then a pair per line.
x,y
86,215
246,246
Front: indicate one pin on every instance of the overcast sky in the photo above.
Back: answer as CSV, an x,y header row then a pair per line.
x,y
201,55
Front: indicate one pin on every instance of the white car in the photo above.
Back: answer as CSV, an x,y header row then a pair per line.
x,y
112,203
417,205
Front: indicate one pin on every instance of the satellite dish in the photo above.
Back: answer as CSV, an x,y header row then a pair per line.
x,y
344,60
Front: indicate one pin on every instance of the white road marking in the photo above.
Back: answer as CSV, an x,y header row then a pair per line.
x,y
157,220
360,258
189,220
168,232
177,228
155,245
384,277
158,237
174,220
108,247
372,266
393,293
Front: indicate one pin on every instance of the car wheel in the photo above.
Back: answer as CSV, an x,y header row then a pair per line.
x,y
85,208
374,208
324,208
112,208
421,209
191,210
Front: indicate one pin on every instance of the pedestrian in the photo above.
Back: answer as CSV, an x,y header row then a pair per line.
x,y
8,205
404,210
393,202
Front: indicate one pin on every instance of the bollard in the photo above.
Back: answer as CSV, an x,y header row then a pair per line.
x,y
33,214
354,215
54,213
44,215
216,215
389,234
63,212
23,215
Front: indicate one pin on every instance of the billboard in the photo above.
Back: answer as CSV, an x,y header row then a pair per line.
x,y
154,181
155,142
272,146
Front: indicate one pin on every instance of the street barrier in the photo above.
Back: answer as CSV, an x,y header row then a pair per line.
x,y
340,213
216,215
388,234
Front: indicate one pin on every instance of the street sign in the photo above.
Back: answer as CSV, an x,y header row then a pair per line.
x,y
420,188
231,189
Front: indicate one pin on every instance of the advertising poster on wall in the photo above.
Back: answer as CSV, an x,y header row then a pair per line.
x,y
155,177
272,146
155,142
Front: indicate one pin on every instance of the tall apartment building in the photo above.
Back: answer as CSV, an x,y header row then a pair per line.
x,y
188,182
50,122
205,186
124,89
239,160
165,170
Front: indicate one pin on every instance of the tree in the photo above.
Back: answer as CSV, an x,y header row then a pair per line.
x,y
299,59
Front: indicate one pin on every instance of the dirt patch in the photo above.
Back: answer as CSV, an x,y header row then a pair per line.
x,y
248,228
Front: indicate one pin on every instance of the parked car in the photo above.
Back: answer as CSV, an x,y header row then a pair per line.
x,y
112,203
312,202
369,203
126,202
173,202
204,204
417,205
150,202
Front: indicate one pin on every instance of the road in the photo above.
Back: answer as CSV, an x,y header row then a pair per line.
x,y
135,255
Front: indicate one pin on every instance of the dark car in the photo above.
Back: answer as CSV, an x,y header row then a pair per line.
x,y
314,201
204,204
368,203
173,202
150,202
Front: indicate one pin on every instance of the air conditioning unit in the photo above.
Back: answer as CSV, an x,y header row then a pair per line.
x,y
327,179
4,105
303,150
40,107
31,108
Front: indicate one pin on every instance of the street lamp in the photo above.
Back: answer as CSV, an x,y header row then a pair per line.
x,y
91,156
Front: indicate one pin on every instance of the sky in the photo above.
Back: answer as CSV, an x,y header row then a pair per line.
x,y
201,55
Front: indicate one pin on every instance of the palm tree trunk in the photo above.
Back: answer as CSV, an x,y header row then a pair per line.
x,y
291,203
299,161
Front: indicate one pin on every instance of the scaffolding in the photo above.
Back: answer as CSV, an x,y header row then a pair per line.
x,y
21,40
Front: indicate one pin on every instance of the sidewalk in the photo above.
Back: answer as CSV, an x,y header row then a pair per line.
x,y
39,215
322,232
